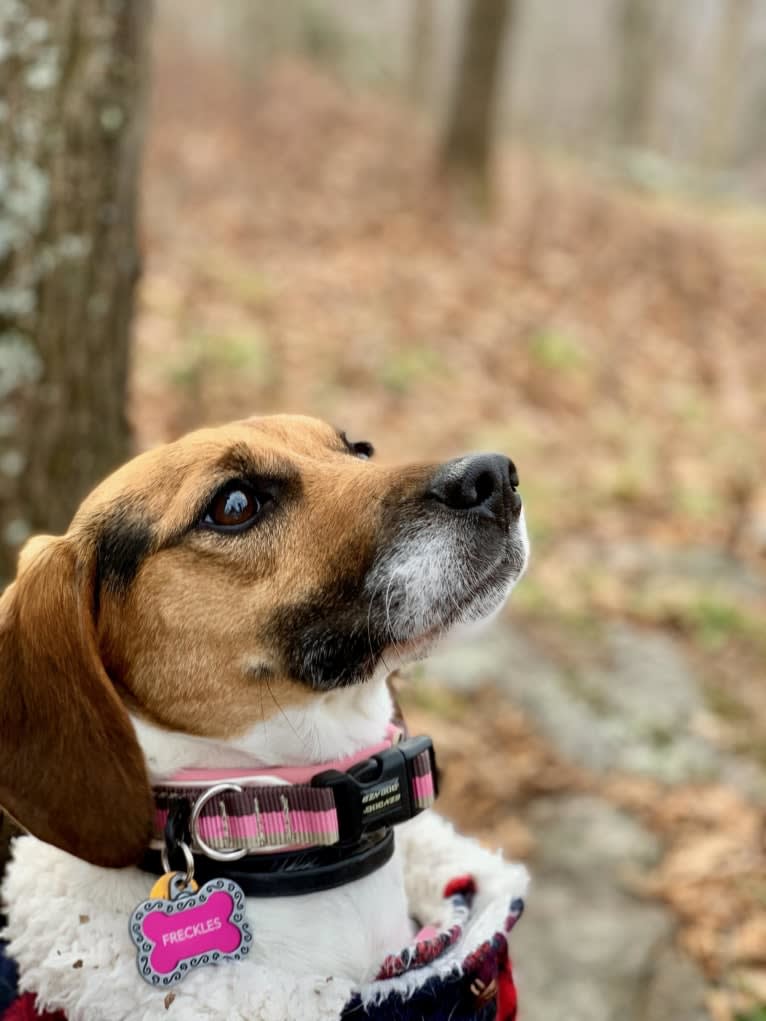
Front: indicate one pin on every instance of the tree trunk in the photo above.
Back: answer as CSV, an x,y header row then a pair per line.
x,y
718,131
421,51
638,47
467,145
72,83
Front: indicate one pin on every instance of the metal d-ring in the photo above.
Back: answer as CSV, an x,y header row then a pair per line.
x,y
199,804
188,860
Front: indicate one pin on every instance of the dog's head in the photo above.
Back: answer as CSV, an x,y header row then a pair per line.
x,y
271,555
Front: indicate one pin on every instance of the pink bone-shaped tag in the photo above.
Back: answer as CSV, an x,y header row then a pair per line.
x,y
174,936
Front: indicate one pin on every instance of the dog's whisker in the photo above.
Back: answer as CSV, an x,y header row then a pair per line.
x,y
369,620
389,626
383,660
278,704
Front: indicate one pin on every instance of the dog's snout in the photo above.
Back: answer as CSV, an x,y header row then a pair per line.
x,y
483,484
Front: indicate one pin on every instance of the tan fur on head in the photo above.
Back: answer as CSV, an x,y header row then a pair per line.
x,y
198,626
136,599
145,605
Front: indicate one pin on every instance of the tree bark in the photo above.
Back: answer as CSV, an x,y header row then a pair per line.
x,y
718,130
72,81
467,144
421,49
639,52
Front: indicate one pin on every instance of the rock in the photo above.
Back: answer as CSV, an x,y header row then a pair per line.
x,y
702,566
676,990
636,708
583,831
587,949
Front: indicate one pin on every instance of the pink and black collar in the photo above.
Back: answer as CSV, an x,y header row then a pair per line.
x,y
290,830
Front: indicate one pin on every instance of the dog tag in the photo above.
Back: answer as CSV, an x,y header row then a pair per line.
x,y
189,930
161,889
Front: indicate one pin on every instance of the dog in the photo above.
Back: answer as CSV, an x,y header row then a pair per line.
x,y
234,600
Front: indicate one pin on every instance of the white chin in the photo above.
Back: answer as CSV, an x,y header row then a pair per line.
x,y
420,647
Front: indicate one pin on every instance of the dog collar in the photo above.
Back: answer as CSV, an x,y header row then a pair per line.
x,y
294,830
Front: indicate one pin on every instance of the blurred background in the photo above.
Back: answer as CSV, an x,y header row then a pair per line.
x,y
448,225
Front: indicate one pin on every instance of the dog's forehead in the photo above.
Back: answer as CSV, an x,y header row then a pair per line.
x,y
154,491
299,433
264,438
256,443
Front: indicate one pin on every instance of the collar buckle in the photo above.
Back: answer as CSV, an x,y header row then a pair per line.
x,y
382,790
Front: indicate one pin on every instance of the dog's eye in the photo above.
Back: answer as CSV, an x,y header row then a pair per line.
x,y
361,449
233,508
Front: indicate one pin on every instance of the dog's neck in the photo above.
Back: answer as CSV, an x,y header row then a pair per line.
x,y
331,726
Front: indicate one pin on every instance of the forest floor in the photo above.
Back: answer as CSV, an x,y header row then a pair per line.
x,y
612,729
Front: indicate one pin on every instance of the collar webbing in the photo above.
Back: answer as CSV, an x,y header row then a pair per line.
x,y
261,812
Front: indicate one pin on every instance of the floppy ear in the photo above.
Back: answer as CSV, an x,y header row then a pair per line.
x,y
71,770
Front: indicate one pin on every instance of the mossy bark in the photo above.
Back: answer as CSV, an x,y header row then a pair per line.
x,y
72,82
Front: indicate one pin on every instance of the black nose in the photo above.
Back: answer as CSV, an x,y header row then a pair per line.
x,y
484,484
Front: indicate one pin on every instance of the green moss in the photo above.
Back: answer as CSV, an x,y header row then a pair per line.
x,y
214,358
555,350
698,503
405,369
715,620
756,1014
580,687
20,364
242,283
530,597
632,478
725,705
431,698
660,737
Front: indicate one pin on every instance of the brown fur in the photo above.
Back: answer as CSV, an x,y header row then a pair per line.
x,y
191,628
71,770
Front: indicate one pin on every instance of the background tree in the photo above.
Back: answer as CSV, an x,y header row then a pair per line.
x,y
467,143
638,51
420,56
72,83
720,121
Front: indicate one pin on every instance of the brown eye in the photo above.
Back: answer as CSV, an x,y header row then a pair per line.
x,y
361,448
233,508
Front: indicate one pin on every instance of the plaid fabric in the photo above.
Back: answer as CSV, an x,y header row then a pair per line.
x,y
485,991
8,979
23,1009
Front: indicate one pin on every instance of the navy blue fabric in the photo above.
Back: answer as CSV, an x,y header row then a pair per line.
x,y
439,999
8,979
